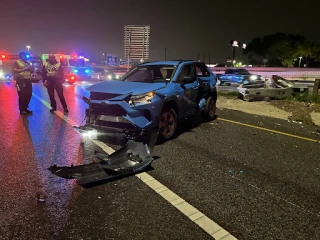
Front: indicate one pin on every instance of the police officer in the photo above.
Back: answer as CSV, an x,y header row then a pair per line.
x,y
53,78
22,75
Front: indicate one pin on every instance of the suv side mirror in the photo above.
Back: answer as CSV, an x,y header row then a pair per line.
x,y
187,79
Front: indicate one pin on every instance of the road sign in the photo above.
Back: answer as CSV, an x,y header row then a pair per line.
x,y
124,64
112,60
136,42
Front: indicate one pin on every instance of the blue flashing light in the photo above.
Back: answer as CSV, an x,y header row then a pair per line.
x,y
87,71
27,56
75,70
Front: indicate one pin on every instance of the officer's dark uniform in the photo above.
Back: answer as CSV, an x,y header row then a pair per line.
x,y
23,83
54,77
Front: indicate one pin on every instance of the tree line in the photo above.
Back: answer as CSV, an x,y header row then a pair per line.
x,y
283,50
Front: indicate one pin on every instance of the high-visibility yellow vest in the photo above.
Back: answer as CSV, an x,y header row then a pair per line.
x,y
52,70
25,74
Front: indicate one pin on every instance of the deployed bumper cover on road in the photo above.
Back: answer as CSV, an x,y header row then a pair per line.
x,y
132,156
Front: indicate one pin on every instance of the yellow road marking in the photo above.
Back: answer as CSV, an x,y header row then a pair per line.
x,y
269,130
209,226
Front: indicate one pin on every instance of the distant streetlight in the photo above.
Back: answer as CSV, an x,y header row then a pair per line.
x,y
300,61
28,47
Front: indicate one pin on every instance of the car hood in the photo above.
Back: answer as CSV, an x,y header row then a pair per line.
x,y
122,87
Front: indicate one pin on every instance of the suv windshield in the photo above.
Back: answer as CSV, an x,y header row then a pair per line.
x,y
150,73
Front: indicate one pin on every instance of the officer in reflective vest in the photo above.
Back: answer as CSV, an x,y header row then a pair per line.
x,y
22,75
53,78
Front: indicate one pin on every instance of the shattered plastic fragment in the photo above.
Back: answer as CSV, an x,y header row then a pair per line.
x,y
133,156
40,198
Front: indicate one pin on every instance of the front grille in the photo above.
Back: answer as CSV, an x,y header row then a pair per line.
x,y
102,96
112,110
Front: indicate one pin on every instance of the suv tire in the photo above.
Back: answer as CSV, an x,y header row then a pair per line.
x,y
168,122
209,112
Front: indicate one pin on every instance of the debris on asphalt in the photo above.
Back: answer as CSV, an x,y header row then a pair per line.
x,y
131,158
40,198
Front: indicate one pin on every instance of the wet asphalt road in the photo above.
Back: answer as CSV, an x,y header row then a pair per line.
x,y
254,183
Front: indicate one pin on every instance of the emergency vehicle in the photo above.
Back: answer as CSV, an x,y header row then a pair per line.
x,y
74,66
7,60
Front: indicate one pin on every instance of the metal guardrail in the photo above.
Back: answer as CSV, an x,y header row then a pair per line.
x,y
312,74
292,73
268,69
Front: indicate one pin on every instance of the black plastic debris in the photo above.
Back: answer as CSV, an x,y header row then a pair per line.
x,y
131,158
41,198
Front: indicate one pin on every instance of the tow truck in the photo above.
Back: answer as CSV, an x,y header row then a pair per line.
x,y
73,66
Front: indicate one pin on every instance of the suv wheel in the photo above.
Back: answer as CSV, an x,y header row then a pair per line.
x,y
210,109
168,123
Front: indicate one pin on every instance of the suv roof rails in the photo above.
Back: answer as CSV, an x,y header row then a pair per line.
x,y
184,60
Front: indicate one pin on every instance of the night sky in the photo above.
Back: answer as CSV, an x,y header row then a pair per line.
x,y
185,28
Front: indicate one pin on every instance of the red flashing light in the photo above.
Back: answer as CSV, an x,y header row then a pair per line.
x,y
60,56
72,77
3,56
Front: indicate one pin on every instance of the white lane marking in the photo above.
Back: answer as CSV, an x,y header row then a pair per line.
x,y
104,147
204,222
212,228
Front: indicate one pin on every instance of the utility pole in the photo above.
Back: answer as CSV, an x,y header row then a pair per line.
x,y
198,56
234,54
203,57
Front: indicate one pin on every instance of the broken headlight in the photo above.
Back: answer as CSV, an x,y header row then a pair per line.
x,y
142,98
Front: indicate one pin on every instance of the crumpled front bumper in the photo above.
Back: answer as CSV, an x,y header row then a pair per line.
x,y
120,113
133,155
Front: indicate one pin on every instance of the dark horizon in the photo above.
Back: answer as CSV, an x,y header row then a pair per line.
x,y
94,27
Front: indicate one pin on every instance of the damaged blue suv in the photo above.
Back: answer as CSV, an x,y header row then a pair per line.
x,y
153,95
